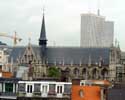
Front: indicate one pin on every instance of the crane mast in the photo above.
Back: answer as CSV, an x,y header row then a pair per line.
x,y
15,38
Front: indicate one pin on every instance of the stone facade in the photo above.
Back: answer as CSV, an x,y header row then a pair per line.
x,y
37,69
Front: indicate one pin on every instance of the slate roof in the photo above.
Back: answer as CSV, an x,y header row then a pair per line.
x,y
77,55
1,43
10,80
16,52
67,54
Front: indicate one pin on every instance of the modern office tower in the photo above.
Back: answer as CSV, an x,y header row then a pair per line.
x,y
96,31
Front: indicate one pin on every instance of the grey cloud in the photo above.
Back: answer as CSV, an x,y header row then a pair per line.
x,y
62,18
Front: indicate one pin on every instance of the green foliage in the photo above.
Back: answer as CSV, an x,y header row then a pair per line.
x,y
53,72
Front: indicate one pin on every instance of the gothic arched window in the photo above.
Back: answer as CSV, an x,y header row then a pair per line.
x,y
84,73
94,73
68,70
76,72
104,73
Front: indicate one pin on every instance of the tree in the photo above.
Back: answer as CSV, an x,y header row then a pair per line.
x,y
53,72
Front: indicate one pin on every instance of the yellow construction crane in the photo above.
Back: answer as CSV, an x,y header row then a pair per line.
x,y
15,38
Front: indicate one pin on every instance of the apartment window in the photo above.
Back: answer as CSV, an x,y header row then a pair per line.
x,y
29,88
0,87
67,88
52,88
59,89
36,87
44,88
8,87
22,87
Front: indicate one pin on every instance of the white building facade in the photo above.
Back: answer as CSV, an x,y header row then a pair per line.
x,y
95,31
4,60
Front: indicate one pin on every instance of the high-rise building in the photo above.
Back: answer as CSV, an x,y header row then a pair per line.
x,y
96,31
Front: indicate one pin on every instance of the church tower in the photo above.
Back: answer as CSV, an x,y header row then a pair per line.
x,y
43,41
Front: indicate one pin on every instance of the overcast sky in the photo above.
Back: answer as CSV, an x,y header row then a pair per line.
x,y
62,19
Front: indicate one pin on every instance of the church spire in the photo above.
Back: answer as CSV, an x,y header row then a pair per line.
x,y
42,39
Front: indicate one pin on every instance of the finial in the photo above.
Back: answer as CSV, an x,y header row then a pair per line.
x,y
43,3
89,60
43,10
118,45
29,37
116,42
15,38
29,40
15,33
29,44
